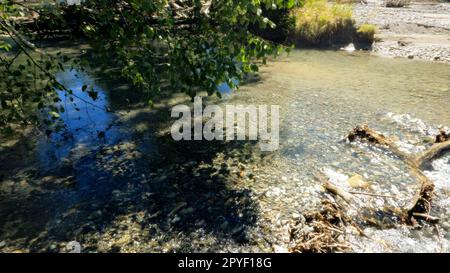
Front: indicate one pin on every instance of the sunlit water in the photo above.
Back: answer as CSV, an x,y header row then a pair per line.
x,y
322,95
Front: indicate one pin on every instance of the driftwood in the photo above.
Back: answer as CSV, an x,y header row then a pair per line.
x,y
338,191
329,224
365,133
328,229
347,197
421,204
432,153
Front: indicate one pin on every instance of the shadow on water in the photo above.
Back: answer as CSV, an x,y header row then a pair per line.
x,y
93,188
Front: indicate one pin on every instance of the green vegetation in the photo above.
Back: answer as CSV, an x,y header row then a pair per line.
x,y
318,21
160,47
284,22
27,81
366,33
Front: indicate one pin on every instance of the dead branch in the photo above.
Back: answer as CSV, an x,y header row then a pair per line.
x,y
421,204
432,153
426,217
372,194
365,133
338,191
335,189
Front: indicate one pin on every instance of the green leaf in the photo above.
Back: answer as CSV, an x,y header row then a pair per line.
x,y
54,114
93,94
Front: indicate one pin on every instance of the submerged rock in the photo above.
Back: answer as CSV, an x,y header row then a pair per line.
x,y
357,181
349,48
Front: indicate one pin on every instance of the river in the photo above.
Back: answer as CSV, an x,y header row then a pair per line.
x,y
116,181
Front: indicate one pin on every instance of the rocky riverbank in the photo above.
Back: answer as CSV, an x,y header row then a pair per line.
x,y
419,31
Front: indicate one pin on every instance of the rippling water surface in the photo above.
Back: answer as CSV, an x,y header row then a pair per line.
x,y
323,95
122,169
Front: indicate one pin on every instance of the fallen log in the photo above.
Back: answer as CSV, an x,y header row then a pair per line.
x,y
365,133
437,150
421,204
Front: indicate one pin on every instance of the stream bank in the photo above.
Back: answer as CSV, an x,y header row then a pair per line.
x,y
420,30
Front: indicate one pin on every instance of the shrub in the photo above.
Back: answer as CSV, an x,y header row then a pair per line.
x,y
366,32
397,3
284,23
347,1
318,21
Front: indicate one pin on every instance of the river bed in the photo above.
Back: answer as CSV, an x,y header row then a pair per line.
x,y
116,181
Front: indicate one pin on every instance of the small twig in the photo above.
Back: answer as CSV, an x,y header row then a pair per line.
x,y
8,65
372,194
338,191
90,103
426,217
439,236
314,239
335,229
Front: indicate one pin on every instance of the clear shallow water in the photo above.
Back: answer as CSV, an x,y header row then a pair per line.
x,y
130,174
323,95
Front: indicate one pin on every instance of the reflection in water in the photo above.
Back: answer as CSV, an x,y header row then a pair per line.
x,y
86,122
83,120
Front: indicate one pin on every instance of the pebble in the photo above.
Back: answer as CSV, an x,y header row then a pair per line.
x,y
280,249
357,181
296,216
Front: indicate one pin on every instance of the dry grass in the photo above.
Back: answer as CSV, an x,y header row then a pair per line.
x,y
318,20
367,32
